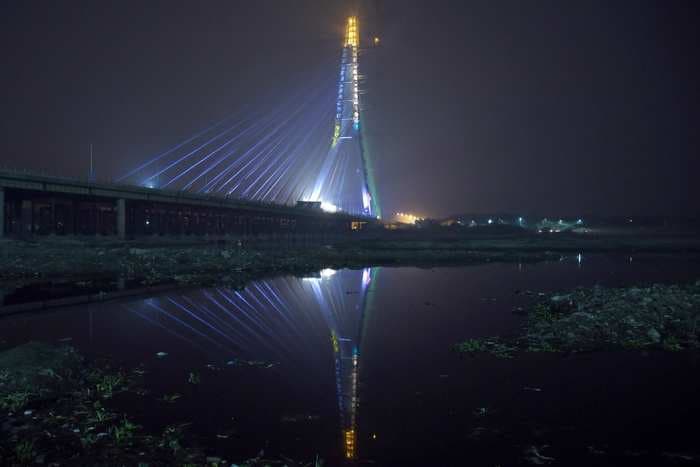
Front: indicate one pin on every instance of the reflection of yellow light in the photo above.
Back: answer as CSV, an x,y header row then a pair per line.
x,y
349,443
326,273
334,341
336,134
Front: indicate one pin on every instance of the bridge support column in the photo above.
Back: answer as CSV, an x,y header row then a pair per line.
x,y
2,211
121,218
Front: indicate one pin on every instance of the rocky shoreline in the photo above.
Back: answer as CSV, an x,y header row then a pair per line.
x,y
663,317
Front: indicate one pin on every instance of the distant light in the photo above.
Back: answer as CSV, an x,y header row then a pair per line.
x,y
578,258
408,218
376,40
490,221
148,222
328,207
520,219
150,184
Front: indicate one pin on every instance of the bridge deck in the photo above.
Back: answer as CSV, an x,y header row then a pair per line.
x,y
37,204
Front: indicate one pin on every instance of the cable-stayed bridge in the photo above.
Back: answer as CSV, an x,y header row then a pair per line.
x,y
294,164
306,147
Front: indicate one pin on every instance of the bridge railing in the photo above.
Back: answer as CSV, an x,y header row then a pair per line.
x,y
180,195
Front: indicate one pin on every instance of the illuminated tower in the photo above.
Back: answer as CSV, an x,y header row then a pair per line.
x,y
342,181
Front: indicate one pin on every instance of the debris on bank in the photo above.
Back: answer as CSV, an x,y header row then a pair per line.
x,y
55,410
665,317
225,262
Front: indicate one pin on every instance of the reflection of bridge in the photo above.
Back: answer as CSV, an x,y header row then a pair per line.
x,y
277,320
240,175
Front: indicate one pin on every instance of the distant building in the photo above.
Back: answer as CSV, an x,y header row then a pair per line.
x,y
314,205
450,222
399,226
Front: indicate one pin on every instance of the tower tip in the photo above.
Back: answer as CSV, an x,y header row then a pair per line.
x,y
352,32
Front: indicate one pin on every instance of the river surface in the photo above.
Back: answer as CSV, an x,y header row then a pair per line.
x,y
357,367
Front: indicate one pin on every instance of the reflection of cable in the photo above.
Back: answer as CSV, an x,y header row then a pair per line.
x,y
169,331
279,316
203,321
179,321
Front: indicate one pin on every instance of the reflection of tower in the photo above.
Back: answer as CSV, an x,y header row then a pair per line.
x,y
278,320
346,371
347,358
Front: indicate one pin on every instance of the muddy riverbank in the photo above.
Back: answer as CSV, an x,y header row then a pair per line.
x,y
59,408
235,262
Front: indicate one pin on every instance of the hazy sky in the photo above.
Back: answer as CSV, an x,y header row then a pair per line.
x,y
548,106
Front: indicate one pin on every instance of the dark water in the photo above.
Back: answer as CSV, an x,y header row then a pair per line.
x,y
357,364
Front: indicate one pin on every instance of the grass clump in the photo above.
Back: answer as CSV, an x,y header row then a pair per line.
x,y
492,345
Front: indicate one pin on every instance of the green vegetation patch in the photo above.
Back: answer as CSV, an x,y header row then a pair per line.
x,y
56,409
492,345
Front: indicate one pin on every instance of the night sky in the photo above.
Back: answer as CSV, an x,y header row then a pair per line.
x,y
578,108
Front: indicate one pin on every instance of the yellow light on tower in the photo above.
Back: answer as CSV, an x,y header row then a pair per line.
x,y
336,134
351,32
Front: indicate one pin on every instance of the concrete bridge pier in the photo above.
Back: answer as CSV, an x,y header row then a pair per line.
x,y
121,218
2,211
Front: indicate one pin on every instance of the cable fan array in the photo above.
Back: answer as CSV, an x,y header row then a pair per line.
x,y
271,155
279,153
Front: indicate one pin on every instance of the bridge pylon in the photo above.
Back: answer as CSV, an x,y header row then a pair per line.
x,y
343,178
